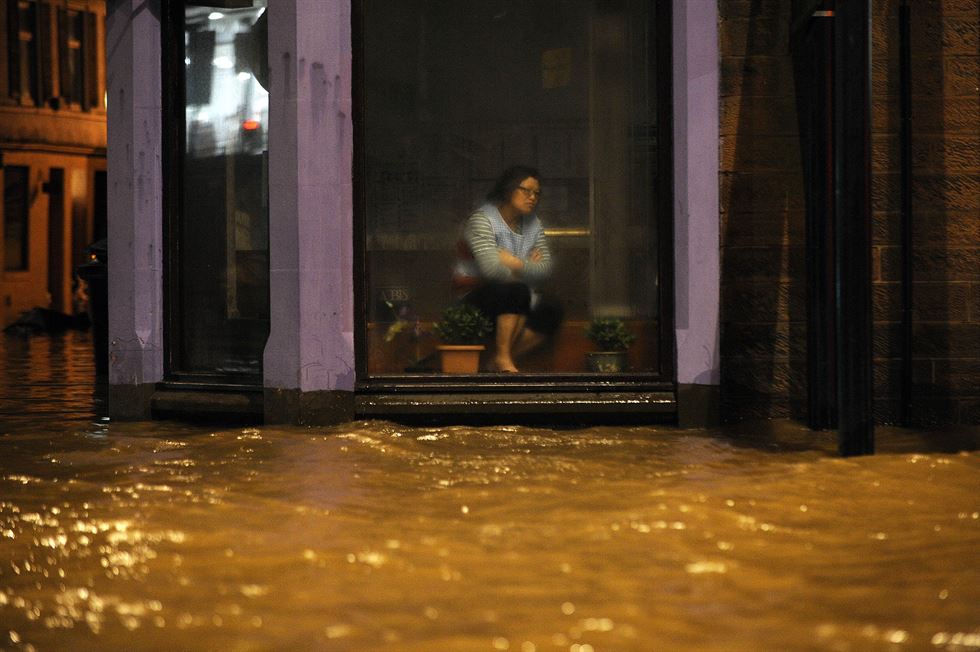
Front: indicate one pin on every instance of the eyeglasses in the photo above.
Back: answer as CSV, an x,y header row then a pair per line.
x,y
529,192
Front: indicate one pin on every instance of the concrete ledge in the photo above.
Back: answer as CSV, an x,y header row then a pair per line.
x,y
320,408
698,406
130,402
600,404
207,404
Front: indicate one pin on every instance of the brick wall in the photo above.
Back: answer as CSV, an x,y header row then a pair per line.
x,y
762,217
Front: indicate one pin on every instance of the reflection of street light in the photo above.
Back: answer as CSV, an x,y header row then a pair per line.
x,y
244,76
215,15
223,62
251,136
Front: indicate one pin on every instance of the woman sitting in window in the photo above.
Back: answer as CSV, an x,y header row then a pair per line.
x,y
502,258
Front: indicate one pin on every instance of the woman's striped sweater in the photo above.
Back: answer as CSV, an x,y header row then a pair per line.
x,y
484,232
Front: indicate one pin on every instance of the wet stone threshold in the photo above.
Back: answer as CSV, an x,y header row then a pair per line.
x,y
376,536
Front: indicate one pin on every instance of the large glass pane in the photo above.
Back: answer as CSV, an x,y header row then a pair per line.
x,y
455,93
223,226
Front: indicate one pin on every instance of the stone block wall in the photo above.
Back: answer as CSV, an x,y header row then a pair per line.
x,y
762,216
763,310
946,210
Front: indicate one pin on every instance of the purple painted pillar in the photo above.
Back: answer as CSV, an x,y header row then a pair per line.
x,y
309,357
134,206
696,216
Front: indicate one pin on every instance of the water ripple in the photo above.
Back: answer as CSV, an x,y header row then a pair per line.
x,y
376,535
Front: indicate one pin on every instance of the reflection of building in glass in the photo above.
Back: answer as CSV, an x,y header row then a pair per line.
x,y
52,148
227,107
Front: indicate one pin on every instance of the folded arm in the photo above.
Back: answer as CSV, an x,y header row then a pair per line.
x,y
498,264
538,265
483,245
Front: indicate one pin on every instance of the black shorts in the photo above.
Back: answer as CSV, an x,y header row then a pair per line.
x,y
513,298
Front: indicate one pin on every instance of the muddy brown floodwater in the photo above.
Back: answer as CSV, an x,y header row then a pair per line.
x,y
376,536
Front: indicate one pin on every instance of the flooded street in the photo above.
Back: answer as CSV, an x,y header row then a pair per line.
x,y
376,536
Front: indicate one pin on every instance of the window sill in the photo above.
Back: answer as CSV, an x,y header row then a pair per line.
x,y
551,407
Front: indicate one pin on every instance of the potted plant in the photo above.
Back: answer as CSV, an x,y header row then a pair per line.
x,y
610,336
462,330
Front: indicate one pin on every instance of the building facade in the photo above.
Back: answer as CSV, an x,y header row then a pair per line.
x,y
763,213
287,179
52,148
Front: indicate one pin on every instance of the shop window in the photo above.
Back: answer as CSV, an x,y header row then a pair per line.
x,y
452,94
218,304
16,218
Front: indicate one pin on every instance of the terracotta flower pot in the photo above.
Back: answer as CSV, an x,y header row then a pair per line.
x,y
606,361
460,358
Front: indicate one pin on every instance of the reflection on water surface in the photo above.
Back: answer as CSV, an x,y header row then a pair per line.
x,y
375,536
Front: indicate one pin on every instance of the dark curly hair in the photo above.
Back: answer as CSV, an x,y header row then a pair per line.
x,y
508,182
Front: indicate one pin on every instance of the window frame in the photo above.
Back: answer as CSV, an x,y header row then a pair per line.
x,y
172,169
68,48
5,96
15,82
25,244
664,379
174,151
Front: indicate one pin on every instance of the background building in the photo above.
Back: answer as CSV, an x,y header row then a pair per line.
x,y
52,147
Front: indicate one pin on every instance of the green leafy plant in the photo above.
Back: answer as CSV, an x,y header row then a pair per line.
x,y
462,324
609,334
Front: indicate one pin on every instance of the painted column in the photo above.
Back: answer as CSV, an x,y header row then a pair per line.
x,y
135,211
696,217
309,357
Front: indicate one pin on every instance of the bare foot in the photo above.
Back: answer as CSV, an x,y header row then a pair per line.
x,y
505,365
